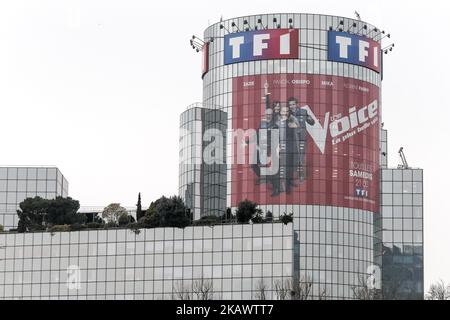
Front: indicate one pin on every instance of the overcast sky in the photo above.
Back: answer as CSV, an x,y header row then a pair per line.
x,y
96,88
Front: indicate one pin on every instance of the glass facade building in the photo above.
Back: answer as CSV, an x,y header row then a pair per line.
x,y
233,261
402,228
350,211
19,183
201,184
334,243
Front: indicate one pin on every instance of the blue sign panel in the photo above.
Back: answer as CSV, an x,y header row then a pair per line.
x,y
261,45
354,49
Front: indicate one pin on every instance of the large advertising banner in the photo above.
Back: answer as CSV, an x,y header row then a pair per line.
x,y
305,140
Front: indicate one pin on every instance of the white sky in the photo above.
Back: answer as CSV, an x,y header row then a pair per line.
x,y
96,88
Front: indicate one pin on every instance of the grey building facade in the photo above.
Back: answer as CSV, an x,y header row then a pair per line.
x,y
402,234
19,183
399,230
231,261
201,184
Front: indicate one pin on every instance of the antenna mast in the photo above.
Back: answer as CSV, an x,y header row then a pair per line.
x,y
404,164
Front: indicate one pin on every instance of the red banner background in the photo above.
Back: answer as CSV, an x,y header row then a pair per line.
x,y
328,180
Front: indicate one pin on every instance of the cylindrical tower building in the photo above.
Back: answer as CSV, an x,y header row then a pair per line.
x,y
315,81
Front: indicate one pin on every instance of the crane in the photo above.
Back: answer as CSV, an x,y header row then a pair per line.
x,y
403,158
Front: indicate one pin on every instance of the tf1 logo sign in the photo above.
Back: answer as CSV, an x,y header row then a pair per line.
x,y
261,45
354,49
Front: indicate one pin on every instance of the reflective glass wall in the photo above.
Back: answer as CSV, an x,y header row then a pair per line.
x,y
402,225
19,183
232,262
202,183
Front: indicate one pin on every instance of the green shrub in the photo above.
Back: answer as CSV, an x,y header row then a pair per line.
x,y
257,218
62,211
35,214
248,210
150,220
77,227
269,216
111,225
169,212
208,221
135,227
287,218
228,216
37,227
59,228
95,225
125,220
2,228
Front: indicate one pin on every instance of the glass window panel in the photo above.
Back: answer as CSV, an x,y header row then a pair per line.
x,y
407,236
398,187
227,244
51,174
417,200
257,243
227,232
397,175
387,199
417,175
398,199
159,246
417,187
387,187
387,236
42,173
387,175
4,173
407,187
417,212
407,224
417,224
417,237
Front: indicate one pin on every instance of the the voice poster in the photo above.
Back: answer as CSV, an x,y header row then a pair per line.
x,y
306,139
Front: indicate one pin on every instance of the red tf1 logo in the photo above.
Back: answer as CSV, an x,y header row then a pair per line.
x,y
261,45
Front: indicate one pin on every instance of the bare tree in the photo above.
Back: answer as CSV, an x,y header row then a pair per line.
x,y
439,291
261,289
301,290
282,289
323,294
298,290
363,292
203,289
182,291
